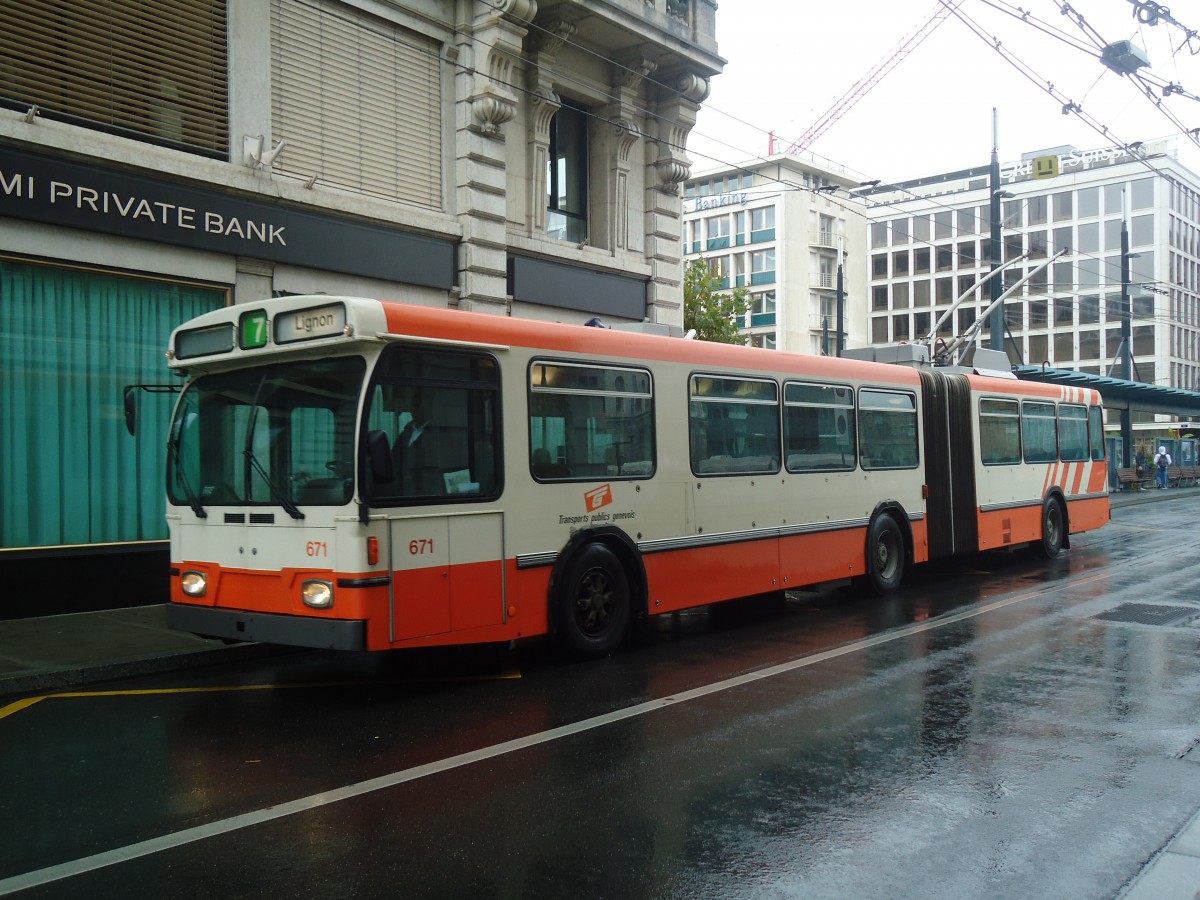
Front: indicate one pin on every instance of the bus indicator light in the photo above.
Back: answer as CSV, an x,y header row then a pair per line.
x,y
372,551
599,497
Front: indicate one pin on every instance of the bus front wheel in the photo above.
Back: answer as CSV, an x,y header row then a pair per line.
x,y
1053,530
885,555
594,606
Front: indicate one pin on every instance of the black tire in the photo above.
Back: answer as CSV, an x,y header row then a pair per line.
x,y
1054,530
885,556
594,603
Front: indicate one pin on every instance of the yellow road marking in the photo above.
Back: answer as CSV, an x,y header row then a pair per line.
x,y
26,702
18,706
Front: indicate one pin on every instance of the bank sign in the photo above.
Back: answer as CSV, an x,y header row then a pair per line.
x,y
43,189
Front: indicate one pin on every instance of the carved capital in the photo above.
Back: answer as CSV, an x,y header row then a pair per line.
x,y
556,33
627,134
633,70
543,104
521,11
672,172
693,87
492,108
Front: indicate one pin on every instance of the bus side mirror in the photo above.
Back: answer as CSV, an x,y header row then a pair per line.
x,y
379,457
130,409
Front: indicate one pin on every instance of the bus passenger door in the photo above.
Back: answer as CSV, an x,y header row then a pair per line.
x,y
420,564
447,573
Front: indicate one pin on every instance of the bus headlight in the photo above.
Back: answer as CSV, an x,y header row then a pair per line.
x,y
317,594
194,584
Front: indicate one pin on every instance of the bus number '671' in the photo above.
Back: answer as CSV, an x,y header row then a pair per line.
x,y
317,548
420,546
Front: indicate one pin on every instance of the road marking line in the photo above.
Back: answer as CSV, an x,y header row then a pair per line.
x,y
27,702
19,705
324,798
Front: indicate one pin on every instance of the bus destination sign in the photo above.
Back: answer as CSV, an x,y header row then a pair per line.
x,y
309,324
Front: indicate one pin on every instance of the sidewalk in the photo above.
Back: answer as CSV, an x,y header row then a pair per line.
x,y
63,652
57,653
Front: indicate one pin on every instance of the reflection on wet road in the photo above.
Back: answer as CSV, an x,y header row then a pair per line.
x,y
981,733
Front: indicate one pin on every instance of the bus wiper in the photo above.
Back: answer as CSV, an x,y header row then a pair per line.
x,y
252,461
279,496
192,499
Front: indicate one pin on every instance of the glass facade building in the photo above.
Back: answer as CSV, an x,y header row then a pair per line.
x,y
930,241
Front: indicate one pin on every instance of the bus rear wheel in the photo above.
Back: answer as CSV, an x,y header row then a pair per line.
x,y
1053,530
885,555
594,608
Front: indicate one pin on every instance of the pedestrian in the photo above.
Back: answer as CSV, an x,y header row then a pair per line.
x,y
1162,459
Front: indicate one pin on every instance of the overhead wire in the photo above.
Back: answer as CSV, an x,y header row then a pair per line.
x,y
730,167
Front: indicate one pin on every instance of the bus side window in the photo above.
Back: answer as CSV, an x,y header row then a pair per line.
x,y
439,412
1096,432
999,432
887,427
589,422
1039,434
734,425
1073,433
819,427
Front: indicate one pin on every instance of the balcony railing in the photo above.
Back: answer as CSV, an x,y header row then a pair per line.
x,y
824,280
821,238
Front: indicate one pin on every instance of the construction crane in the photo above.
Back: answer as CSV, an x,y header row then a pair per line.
x,y
863,86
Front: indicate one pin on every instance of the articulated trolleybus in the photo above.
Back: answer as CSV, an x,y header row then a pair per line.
x,y
357,474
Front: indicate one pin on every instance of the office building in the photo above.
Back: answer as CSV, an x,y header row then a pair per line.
x,y
775,226
1061,215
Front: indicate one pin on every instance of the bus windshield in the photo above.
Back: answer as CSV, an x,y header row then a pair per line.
x,y
280,435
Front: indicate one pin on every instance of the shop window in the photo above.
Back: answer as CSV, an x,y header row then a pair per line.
x,y
70,474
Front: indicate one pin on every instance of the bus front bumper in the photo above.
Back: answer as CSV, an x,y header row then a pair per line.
x,y
268,628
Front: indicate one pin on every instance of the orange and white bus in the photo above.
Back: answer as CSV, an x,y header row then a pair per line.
x,y
359,474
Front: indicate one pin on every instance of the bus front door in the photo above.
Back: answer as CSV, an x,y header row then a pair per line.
x,y
447,573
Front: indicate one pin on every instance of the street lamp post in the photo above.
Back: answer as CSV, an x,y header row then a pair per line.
x,y
996,325
1126,339
841,303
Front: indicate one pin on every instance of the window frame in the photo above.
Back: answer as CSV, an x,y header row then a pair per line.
x,y
706,401
547,477
865,410
1029,433
1002,459
472,387
575,210
850,421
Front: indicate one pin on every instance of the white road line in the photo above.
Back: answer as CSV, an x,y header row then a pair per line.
x,y
314,801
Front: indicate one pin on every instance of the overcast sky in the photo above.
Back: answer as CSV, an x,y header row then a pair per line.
x,y
789,63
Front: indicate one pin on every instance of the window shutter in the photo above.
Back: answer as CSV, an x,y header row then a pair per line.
x,y
358,100
150,69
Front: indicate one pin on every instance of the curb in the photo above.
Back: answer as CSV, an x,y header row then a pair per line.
x,y
53,680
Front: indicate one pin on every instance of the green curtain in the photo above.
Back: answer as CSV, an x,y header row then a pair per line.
x,y
70,341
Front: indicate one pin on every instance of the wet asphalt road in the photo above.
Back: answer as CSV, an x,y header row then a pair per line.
x,y
980,734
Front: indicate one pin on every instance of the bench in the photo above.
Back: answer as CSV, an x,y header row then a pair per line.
x,y
1128,478
1182,476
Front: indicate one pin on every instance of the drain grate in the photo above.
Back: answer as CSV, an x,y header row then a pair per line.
x,y
1148,614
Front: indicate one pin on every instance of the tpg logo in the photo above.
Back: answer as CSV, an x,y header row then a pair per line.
x,y
599,497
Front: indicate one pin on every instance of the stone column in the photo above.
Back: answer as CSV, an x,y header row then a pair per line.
x,y
668,169
488,51
629,75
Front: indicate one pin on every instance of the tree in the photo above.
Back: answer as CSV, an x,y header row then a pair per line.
x,y
709,309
